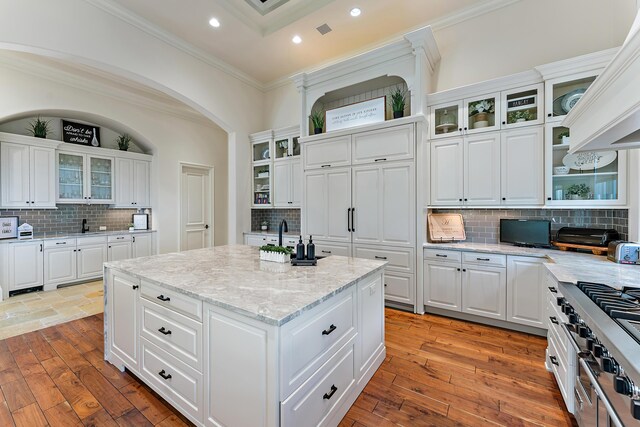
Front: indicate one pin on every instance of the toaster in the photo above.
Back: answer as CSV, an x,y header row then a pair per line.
x,y
624,252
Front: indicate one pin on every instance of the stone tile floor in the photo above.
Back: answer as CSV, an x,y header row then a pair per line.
x,y
37,310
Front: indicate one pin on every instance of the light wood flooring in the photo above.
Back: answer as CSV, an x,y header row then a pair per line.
x,y
438,372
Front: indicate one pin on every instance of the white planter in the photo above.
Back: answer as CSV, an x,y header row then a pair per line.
x,y
274,257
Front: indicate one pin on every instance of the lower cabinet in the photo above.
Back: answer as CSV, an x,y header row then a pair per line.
x,y
26,265
120,249
142,245
484,291
525,291
90,259
123,292
59,261
442,285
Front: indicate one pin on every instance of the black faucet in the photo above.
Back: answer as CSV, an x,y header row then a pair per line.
x,y
85,227
286,229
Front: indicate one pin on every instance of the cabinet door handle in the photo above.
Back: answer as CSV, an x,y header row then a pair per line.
x,y
135,287
40,247
553,290
164,375
325,166
349,220
554,320
458,269
331,393
353,221
442,256
32,202
464,269
163,298
331,329
61,243
119,238
504,123
134,239
554,360
548,198
504,199
459,200
483,259
385,285
326,252
380,160
549,115
27,202
380,257
75,250
164,331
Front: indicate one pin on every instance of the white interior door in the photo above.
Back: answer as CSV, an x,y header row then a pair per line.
x,y
195,213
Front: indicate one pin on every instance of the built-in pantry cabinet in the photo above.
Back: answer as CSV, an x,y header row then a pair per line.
x,y
132,180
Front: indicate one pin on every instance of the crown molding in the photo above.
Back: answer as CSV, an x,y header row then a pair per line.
x,y
86,83
590,62
471,12
142,24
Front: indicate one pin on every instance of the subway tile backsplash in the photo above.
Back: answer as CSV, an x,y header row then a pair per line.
x,y
68,218
274,216
483,225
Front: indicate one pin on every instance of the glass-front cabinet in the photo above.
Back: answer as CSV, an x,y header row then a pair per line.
x,y
262,185
482,114
593,178
446,120
522,106
286,146
263,151
562,94
83,178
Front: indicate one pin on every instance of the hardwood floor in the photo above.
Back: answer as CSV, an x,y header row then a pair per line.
x,y
438,372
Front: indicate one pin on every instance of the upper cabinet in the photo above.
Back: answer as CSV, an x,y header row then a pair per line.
x,y
132,183
563,93
85,178
522,106
262,165
286,146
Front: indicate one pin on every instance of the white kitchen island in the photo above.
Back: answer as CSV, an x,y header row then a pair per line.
x,y
230,340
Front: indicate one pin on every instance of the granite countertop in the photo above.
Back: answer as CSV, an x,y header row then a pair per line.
x,y
65,235
566,266
233,277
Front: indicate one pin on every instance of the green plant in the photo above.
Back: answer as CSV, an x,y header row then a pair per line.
x,y
39,128
484,106
563,134
278,249
317,118
123,141
513,116
581,190
398,99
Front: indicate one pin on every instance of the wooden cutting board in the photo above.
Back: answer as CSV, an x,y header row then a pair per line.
x,y
596,250
445,227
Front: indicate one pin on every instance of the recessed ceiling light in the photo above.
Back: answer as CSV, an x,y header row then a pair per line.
x,y
296,39
214,22
355,12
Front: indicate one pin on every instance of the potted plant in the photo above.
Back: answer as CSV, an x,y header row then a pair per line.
x,y
398,101
518,116
39,128
264,226
131,227
275,254
480,112
578,191
123,141
564,136
317,119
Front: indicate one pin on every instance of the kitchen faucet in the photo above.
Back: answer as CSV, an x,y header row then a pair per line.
x,y
85,227
286,229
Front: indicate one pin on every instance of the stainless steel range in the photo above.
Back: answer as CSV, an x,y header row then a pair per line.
x,y
604,329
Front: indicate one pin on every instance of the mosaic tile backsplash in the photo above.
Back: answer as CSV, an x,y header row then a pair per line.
x,y
274,216
68,218
483,225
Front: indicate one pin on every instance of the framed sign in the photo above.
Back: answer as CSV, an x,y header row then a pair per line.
x,y
78,133
361,113
446,227
8,227
525,102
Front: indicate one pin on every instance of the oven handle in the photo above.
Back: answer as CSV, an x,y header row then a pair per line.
x,y
601,396
572,340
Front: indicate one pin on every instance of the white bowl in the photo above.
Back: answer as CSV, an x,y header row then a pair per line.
x,y
561,170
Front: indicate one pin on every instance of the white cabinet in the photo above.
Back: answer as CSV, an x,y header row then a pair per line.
x,y
442,285
327,153
393,143
482,169
370,321
142,245
484,291
447,166
123,297
327,204
119,248
26,265
522,160
132,183
90,259
523,106
525,290
255,240
27,176
287,183
59,261
85,178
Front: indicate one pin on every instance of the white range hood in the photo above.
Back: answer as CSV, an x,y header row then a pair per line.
x,y
608,115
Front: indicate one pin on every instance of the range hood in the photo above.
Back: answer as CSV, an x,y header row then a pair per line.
x,y
608,114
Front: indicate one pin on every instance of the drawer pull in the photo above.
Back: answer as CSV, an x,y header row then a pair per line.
x,y
483,259
164,375
326,252
380,160
325,166
331,393
380,257
163,298
553,290
442,256
554,320
61,243
164,331
554,360
119,238
135,287
328,331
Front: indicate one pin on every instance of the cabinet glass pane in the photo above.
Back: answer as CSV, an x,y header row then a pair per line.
x,y
101,172
582,176
296,146
482,113
261,184
261,151
70,179
522,106
282,148
446,119
566,94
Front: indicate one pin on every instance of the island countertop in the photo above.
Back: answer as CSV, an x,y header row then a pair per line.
x,y
233,277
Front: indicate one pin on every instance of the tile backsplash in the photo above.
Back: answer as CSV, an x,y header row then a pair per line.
x,y
483,225
68,218
274,216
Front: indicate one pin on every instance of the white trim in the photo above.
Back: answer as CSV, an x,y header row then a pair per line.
x,y
211,172
29,140
595,61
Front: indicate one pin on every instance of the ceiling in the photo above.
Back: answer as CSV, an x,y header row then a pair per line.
x,y
260,45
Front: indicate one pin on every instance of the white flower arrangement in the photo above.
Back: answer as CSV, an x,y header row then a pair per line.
x,y
484,106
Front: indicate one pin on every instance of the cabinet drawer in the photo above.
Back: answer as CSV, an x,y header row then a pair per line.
x,y
310,340
331,248
558,364
95,240
399,287
313,403
394,143
447,256
397,259
175,333
119,238
59,243
480,258
178,383
188,306
331,152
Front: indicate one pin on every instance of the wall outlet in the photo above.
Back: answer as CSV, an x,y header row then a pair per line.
x,y
103,228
